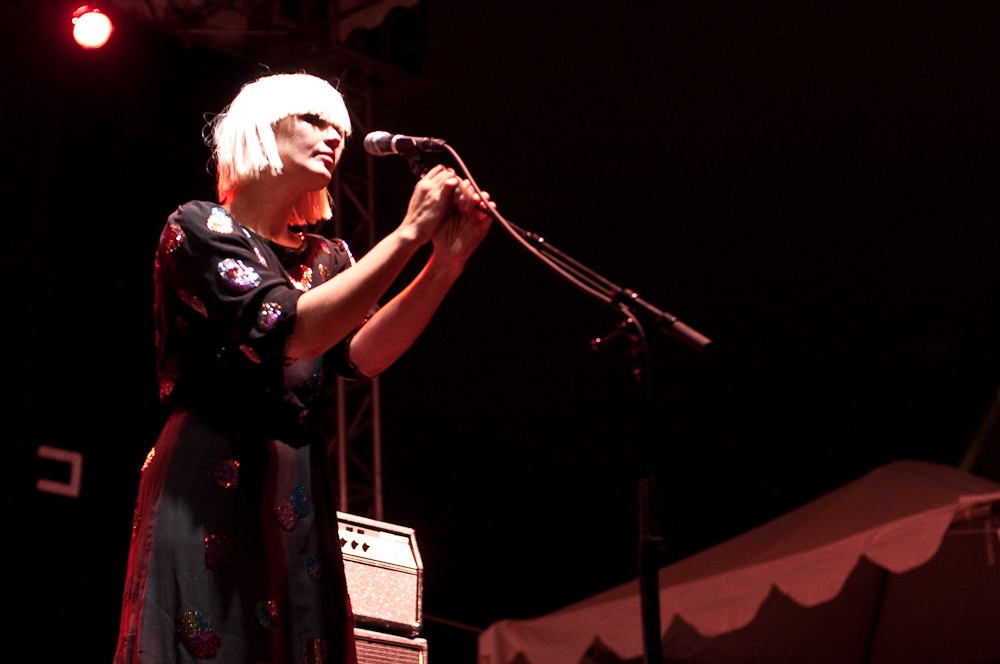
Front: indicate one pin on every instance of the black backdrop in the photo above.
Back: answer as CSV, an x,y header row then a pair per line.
x,y
812,185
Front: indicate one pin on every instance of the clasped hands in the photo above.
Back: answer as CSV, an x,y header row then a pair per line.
x,y
446,210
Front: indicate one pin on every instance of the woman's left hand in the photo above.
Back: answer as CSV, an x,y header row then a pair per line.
x,y
464,227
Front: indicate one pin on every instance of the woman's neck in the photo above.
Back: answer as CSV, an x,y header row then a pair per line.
x,y
266,212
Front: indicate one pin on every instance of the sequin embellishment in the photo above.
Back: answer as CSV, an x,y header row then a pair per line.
x,y
347,250
197,634
286,515
300,501
296,507
250,353
267,613
314,565
324,271
304,280
268,316
220,221
260,256
149,459
193,302
227,474
218,551
314,651
168,377
238,277
173,237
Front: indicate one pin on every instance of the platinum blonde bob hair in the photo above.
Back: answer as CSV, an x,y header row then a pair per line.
x,y
243,141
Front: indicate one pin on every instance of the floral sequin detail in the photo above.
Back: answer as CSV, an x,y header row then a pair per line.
x,y
303,280
197,634
300,501
193,302
314,565
314,651
347,250
296,507
218,551
149,459
238,277
168,377
285,512
260,256
267,613
219,221
324,271
268,316
227,474
173,237
250,353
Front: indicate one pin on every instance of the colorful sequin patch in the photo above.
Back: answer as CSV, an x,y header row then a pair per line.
x,y
324,271
300,501
314,565
260,256
250,353
149,459
347,250
173,237
268,316
314,651
286,515
238,277
227,474
197,634
193,302
218,551
219,221
267,613
168,377
324,246
304,279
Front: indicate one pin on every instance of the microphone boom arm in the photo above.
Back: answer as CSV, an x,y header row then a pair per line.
x,y
591,282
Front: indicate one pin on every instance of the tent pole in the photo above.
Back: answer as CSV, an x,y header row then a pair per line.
x,y
876,615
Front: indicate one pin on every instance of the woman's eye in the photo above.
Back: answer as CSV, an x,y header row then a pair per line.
x,y
314,120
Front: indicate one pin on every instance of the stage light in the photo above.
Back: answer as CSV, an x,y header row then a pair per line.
x,y
91,28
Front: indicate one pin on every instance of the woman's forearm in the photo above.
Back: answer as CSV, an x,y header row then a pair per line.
x,y
394,328
330,311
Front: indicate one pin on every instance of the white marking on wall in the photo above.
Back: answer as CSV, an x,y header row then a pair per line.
x,y
69,489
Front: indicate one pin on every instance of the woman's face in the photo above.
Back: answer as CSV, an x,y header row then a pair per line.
x,y
309,148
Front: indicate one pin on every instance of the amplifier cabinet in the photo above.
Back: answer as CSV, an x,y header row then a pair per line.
x,y
378,648
384,574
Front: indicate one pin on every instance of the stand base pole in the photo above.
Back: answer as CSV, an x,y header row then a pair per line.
x,y
649,587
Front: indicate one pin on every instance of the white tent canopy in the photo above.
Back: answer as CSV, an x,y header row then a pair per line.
x,y
895,517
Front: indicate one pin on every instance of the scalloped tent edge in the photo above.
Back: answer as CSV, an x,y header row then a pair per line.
x,y
895,517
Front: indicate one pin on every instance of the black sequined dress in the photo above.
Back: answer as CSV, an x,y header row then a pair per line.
x,y
235,554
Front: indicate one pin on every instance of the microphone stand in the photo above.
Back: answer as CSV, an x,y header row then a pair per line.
x,y
633,309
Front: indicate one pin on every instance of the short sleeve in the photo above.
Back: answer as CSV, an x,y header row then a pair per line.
x,y
215,267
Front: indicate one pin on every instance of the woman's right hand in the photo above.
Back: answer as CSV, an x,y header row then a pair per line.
x,y
431,199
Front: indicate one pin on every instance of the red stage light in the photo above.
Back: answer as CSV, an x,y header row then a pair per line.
x,y
91,28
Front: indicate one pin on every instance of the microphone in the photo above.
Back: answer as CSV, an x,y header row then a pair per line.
x,y
382,143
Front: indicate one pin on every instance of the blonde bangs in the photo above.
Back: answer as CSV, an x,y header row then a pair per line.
x,y
243,134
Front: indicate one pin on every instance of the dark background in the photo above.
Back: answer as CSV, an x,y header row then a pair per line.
x,y
811,185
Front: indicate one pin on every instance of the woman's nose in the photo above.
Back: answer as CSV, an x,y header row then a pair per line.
x,y
332,137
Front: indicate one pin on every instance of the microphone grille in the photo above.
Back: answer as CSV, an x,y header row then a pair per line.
x,y
372,141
